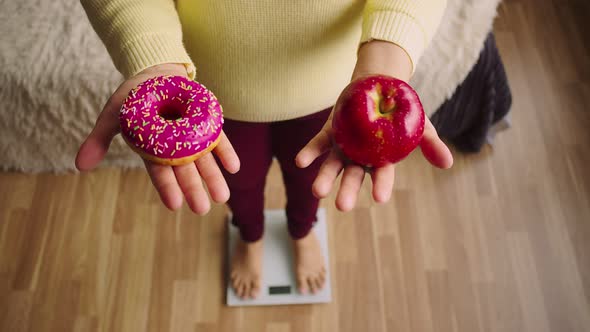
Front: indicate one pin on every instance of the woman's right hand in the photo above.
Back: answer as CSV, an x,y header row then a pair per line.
x,y
171,182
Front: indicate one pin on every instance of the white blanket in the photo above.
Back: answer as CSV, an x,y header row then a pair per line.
x,y
55,76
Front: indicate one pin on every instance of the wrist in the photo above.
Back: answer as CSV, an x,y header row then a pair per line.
x,y
168,68
378,57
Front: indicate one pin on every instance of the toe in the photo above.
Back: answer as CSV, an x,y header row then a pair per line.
x,y
236,286
254,289
319,283
235,282
302,285
241,289
311,283
245,290
322,279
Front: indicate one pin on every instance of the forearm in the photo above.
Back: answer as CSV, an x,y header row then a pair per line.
x,y
177,69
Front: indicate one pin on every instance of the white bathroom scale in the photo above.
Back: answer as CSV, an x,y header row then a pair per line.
x,y
279,285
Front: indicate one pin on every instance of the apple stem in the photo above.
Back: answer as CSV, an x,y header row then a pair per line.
x,y
387,104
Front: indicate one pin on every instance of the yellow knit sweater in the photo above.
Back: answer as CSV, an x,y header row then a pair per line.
x,y
266,60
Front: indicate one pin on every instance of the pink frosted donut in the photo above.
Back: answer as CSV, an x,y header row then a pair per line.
x,y
171,120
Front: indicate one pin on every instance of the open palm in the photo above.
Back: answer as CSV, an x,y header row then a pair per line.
x,y
171,182
433,149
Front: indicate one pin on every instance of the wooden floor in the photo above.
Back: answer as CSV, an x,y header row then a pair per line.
x,y
499,243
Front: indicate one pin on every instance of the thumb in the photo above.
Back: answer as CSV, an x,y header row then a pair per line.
x,y
318,145
96,145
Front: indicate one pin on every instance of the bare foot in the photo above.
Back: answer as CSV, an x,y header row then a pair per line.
x,y
309,264
246,267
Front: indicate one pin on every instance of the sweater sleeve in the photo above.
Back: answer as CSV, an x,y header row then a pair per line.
x,y
410,24
139,33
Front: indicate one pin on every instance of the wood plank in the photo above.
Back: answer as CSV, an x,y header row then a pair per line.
x,y
497,243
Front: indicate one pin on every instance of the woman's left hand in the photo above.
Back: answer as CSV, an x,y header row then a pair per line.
x,y
433,148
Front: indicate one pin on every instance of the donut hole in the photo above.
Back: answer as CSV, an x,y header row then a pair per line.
x,y
170,112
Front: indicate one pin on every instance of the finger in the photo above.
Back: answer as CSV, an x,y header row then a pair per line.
x,y
212,176
383,178
434,149
190,183
96,145
227,155
327,175
318,145
165,183
352,179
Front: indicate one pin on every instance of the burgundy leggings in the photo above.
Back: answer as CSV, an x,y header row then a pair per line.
x,y
256,144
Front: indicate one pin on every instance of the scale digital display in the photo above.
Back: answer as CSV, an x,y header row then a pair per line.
x,y
275,290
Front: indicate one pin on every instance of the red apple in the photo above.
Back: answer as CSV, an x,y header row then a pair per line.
x,y
378,120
